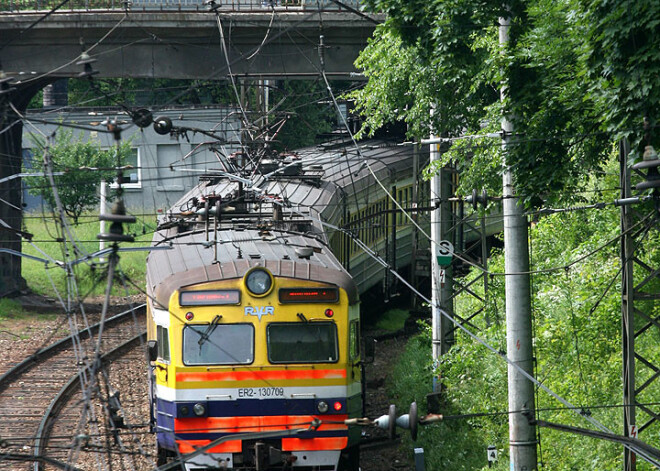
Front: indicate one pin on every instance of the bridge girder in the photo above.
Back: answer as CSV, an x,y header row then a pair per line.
x,y
183,45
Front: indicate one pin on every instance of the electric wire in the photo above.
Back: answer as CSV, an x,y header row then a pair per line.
x,y
326,81
480,340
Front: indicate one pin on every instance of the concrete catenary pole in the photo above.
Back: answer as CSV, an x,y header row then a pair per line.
x,y
522,436
441,286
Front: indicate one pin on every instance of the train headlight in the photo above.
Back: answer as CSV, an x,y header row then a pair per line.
x,y
183,410
258,281
199,409
322,407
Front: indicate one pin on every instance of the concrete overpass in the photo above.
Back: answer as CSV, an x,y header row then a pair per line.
x,y
185,39
185,44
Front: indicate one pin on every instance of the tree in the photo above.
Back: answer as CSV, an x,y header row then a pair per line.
x,y
581,73
306,116
84,165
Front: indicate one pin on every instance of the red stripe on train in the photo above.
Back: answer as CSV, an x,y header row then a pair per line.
x,y
256,423
288,444
259,375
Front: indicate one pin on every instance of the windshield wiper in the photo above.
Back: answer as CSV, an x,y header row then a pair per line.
x,y
209,330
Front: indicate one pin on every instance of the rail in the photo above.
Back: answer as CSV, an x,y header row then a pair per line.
x,y
49,351
65,394
11,6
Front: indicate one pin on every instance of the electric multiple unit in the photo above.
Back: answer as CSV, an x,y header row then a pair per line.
x,y
253,315
255,358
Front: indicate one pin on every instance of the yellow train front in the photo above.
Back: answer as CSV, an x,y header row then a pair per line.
x,y
254,342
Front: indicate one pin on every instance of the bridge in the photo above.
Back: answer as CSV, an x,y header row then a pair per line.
x,y
185,39
42,41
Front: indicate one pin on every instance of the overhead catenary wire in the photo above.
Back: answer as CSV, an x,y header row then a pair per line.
x,y
485,344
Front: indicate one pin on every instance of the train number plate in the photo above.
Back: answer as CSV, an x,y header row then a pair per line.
x,y
257,393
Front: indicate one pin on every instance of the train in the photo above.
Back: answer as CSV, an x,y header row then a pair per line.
x,y
254,284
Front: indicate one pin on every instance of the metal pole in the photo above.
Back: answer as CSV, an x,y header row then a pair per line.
x,y
102,212
627,306
447,233
522,435
415,234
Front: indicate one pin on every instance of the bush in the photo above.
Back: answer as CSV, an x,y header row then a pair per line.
x,y
84,165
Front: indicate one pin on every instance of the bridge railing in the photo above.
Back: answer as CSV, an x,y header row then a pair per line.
x,y
176,5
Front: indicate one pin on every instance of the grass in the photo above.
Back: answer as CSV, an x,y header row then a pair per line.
x,y
10,309
90,277
393,320
12,314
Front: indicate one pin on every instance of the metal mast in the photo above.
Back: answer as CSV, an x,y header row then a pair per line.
x,y
640,323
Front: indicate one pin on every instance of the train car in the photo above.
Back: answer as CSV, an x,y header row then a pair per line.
x,y
256,353
254,324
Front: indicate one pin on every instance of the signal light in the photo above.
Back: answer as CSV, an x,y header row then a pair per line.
x,y
337,406
329,313
190,316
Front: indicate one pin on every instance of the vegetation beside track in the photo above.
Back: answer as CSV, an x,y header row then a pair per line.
x,y
91,278
577,346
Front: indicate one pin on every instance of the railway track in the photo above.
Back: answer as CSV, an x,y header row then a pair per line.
x,y
60,444
27,389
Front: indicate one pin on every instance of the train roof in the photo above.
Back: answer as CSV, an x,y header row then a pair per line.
x,y
345,165
191,260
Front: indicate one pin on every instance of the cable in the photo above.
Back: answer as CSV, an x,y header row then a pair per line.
x,y
475,337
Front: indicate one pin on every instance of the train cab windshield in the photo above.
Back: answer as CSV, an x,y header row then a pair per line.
x,y
217,344
309,342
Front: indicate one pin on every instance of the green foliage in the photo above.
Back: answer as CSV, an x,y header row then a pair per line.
x,y
579,74
577,346
454,443
90,279
84,165
306,117
392,320
131,92
623,58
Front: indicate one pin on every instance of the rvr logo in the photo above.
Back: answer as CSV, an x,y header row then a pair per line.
x,y
259,311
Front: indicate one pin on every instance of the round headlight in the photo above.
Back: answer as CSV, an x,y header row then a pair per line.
x,y
322,407
258,282
199,409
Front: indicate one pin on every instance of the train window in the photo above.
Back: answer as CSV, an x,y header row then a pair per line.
x,y
308,342
163,338
218,344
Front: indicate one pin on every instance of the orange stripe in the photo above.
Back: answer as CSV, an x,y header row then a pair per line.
x,y
188,446
314,444
255,423
259,375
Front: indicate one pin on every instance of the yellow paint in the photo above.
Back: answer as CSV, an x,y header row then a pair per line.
x,y
235,314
